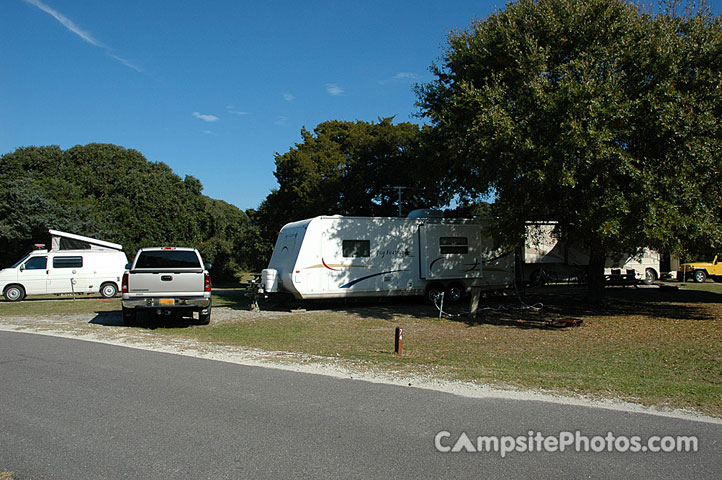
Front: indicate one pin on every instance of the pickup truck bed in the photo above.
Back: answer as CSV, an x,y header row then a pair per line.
x,y
167,280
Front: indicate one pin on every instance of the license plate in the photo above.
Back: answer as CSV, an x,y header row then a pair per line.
x,y
166,301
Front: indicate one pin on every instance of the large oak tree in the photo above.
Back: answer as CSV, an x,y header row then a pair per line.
x,y
595,114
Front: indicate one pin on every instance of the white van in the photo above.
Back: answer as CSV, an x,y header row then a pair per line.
x,y
73,265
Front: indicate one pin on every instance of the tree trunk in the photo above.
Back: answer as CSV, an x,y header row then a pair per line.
x,y
597,259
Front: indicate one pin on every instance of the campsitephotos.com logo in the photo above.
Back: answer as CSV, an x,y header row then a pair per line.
x,y
575,441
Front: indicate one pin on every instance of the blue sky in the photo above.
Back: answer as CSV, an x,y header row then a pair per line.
x,y
213,88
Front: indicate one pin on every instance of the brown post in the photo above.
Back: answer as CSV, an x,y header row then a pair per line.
x,y
398,347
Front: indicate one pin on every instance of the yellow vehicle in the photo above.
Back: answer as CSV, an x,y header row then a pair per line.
x,y
701,271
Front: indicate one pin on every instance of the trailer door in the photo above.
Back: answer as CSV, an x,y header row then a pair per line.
x,y
450,251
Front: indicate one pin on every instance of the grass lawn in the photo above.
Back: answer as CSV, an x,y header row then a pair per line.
x,y
648,345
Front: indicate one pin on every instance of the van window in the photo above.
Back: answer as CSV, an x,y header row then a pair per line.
x,y
168,259
67,262
357,248
36,263
451,245
72,244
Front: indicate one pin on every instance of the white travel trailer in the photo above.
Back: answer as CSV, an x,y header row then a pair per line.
x,y
337,257
545,258
74,264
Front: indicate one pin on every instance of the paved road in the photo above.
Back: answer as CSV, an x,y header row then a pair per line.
x,y
77,410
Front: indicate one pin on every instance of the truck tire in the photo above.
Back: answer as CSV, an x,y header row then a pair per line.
x,y
129,317
108,290
14,293
700,276
204,318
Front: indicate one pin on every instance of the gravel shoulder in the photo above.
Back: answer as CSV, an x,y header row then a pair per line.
x,y
107,327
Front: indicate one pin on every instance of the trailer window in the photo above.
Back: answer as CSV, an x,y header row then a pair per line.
x,y
67,262
357,248
451,245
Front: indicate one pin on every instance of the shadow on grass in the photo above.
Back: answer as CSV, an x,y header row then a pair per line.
x,y
147,320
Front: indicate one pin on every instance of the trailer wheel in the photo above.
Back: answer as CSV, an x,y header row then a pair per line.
x,y
650,276
454,292
537,278
700,276
434,291
14,293
108,290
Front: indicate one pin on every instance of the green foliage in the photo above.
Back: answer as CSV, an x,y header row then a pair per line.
x,y
115,194
595,114
348,168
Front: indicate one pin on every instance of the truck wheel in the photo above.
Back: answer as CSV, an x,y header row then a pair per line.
x,y
108,290
129,317
700,276
14,293
650,276
433,292
204,318
454,292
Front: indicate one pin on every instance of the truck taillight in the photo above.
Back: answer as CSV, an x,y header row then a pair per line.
x,y
207,282
124,284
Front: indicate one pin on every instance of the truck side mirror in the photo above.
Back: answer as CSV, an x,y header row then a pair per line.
x,y
207,265
127,266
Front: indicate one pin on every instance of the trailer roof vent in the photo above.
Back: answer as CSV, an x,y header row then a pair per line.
x,y
426,213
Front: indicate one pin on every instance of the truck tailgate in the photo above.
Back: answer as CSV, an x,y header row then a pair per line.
x,y
166,283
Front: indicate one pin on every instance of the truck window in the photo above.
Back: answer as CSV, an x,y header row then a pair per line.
x,y
68,262
356,248
36,263
168,259
451,245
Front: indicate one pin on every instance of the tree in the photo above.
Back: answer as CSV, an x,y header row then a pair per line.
x,y
349,168
594,114
112,193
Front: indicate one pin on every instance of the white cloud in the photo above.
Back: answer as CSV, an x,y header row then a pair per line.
x,y
205,118
334,89
405,76
400,77
289,97
231,109
85,35
281,120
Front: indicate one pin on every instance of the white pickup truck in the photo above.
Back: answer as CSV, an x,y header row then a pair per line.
x,y
167,280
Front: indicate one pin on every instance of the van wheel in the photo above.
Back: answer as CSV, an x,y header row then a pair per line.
x,y
454,292
434,291
700,276
14,293
108,290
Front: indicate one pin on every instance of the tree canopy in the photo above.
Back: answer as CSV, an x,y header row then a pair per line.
x,y
115,194
595,114
349,168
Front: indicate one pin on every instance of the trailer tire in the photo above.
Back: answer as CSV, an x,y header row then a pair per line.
x,y
14,293
433,291
536,279
650,276
108,290
454,293
700,276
